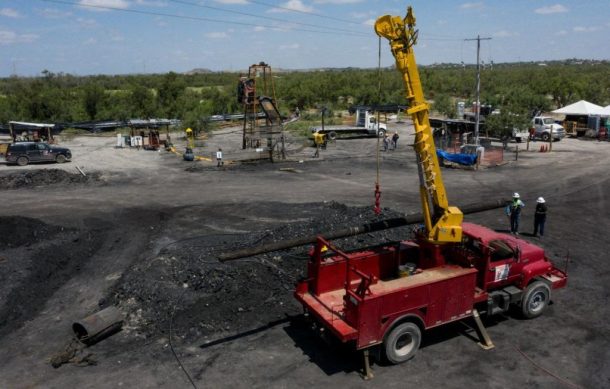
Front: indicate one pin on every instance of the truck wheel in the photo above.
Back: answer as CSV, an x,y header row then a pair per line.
x,y
535,300
518,139
60,158
331,135
402,343
22,161
381,133
546,137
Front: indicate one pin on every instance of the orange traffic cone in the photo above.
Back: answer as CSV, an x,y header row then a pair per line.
x,y
541,149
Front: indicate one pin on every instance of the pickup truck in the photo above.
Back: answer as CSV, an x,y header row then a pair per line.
x,y
366,124
545,127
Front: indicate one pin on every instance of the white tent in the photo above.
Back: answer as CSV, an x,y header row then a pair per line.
x,y
579,108
605,111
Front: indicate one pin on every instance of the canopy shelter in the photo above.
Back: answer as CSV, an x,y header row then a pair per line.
x,y
579,108
605,111
31,131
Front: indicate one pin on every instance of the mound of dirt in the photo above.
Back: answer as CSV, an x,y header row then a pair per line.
x,y
45,177
208,299
18,231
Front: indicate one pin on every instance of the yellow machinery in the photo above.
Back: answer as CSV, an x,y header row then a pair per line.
x,y
443,222
190,139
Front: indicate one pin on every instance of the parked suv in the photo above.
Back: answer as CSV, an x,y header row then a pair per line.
x,y
23,153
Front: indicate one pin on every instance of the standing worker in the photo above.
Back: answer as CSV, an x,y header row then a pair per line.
x,y
513,211
395,140
219,162
540,216
319,140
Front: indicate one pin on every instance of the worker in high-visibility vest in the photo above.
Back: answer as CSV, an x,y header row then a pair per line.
x,y
319,140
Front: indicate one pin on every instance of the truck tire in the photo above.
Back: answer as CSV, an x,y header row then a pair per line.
x,y
518,139
546,137
535,300
381,133
22,161
402,343
60,158
331,135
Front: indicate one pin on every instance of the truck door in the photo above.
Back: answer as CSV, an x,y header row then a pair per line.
x,y
33,152
501,259
44,152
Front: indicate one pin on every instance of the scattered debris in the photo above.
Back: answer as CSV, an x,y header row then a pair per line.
x,y
73,353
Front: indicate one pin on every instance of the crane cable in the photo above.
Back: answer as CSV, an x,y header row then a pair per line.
x,y
377,190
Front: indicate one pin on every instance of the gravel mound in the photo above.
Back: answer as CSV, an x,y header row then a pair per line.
x,y
45,177
206,299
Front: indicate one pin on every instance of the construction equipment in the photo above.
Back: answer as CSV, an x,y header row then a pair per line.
x,y
382,298
262,122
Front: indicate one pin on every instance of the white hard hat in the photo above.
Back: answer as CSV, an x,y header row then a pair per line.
x,y
540,200
516,195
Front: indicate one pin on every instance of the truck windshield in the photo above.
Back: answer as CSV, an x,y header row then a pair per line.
x,y
548,121
500,250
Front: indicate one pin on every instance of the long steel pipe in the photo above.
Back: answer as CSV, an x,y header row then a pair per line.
x,y
351,231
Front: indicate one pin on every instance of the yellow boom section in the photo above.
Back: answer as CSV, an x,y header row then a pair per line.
x,y
443,223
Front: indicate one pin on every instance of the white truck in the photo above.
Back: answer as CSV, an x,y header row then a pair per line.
x,y
366,124
545,128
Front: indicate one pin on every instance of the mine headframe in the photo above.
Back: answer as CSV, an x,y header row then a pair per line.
x,y
262,125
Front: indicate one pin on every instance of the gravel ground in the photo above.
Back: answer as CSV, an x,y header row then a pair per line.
x,y
142,230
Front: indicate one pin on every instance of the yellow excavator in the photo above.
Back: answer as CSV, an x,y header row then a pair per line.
x,y
443,223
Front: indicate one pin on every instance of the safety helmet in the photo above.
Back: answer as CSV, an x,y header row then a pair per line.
x,y
516,195
540,200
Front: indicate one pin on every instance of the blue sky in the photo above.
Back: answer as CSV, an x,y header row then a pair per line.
x,y
152,36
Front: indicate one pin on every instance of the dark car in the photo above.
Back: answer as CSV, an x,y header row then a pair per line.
x,y
23,153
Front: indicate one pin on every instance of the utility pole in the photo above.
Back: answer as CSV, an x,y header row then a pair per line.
x,y
478,111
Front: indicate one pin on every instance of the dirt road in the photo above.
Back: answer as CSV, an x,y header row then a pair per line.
x,y
142,231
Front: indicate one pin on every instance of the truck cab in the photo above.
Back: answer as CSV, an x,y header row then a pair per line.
x,y
507,268
369,121
545,128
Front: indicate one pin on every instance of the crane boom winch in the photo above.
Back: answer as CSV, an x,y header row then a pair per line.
x,y
443,223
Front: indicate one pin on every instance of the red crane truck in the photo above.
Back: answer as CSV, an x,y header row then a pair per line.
x,y
387,296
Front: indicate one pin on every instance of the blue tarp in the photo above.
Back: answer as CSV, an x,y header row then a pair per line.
x,y
462,159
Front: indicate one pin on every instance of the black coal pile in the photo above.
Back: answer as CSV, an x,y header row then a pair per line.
x,y
206,299
16,231
45,177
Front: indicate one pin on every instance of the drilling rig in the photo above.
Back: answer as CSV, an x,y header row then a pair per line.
x,y
384,298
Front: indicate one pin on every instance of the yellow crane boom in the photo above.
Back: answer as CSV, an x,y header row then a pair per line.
x,y
443,223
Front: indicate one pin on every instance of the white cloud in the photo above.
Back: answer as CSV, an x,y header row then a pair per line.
x,y
369,22
295,5
52,13
472,5
9,12
561,32
293,46
551,9
8,37
259,28
91,4
337,1
504,34
586,29
85,22
217,35
90,41
360,15
151,3
232,1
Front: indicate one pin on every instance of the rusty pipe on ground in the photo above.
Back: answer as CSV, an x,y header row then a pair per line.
x,y
98,326
350,231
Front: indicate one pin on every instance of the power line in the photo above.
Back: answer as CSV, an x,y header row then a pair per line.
x,y
135,11
263,17
303,12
